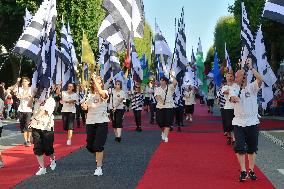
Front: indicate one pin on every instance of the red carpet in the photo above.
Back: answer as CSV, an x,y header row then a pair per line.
x,y
196,161
20,162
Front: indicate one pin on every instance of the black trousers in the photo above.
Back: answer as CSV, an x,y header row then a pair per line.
x,y
223,118
80,112
1,128
228,118
43,142
96,137
68,120
137,116
152,111
179,115
117,118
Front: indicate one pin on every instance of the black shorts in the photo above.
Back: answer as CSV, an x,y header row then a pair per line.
x,y
43,142
147,101
210,102
228,118
165,117
246,139
189,109
25,118
117,118
68,120
96,136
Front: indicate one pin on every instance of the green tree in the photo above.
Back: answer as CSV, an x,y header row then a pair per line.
x,y
227,30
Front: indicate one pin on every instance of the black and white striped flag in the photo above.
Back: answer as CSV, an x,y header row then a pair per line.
x,y
124,16
247,40
38,42
161,45
27,18
274,10
264,70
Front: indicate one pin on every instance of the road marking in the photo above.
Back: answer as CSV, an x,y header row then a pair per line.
x,y
273,139
281,171
10,136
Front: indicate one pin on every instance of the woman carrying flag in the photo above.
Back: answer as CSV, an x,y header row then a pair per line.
x,y
165,105
97,121
116,108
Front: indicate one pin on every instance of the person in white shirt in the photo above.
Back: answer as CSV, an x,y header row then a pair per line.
x,y
246,120
228,108
146,93
25,96
42,124
165,105
116,107
69,98
189,101
97,121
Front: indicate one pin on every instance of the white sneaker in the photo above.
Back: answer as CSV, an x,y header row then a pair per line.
x,y
52,164
41,171
98,171
186,118
190,119
68,142
163,136
166,139
1,164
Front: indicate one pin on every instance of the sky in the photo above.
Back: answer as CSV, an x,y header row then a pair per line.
x,y
201,17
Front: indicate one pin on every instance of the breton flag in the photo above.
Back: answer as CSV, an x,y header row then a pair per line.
x,y
264,69
72,48
27,18
38,42
180,66
247,41
123,18
274,10
137,71
66,58
161,45
227,58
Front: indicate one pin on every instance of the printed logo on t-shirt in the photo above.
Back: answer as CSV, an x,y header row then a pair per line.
x,y
118,95
247,94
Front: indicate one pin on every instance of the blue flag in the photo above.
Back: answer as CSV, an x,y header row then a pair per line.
x,y
216,70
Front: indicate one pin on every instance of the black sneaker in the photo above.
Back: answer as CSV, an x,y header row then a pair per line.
x,y
252,175
243,176
229,140
118,139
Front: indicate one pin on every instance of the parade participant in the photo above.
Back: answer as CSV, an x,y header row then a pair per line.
x,y
246,120
221,101
69,98
136,105
189,100
1,161
25,96
179,109
165,105
97,121
228,108
42,124
79,110
1,115
57,97
153,101
146,93
116,107
210,97
8,103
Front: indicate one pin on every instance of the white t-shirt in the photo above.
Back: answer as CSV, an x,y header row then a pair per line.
x,y
23,107
1,109
189,97
115,97
210,94
97,109
246,111
46,121
146,92
67,107
228,105
169,103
